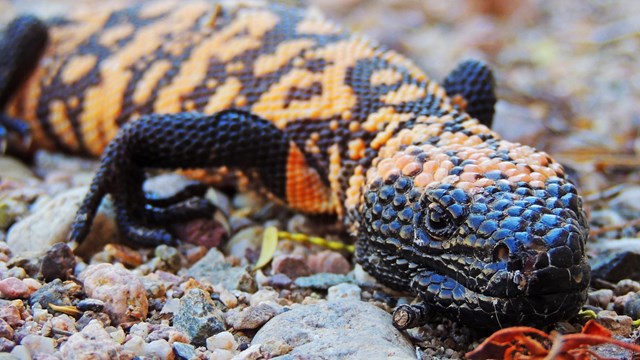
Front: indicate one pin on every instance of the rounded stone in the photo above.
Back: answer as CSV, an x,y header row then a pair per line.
x,y
335,329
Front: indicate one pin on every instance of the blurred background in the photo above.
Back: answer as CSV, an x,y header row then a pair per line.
x,y
568,71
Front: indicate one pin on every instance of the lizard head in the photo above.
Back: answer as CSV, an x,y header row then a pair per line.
x,y
483,230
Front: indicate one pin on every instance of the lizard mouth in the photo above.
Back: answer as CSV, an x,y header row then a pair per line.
x,y
509,298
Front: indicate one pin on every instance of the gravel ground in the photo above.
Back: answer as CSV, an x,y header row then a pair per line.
x,y
568,82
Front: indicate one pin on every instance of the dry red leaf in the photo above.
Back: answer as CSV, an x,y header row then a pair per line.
x,y
526,343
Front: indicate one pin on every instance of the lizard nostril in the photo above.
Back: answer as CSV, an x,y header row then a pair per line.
x,y
500,253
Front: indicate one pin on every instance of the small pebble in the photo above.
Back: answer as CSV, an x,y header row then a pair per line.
x,y
54,292
171,306
122,292
64,323
198,317
58,262
21,352
160,348
14,288
252,317
135,344
330,262
209,233
251,353
344,292
600,298
322,281
290,265
6,345
628,304
117,334
92,340
620,325
626,285
362,277
6,331
280,281
16,272
90,304
10,312
221,354
184,351
264,295
141,329
40,315
228,299
39,344
32,284
223,340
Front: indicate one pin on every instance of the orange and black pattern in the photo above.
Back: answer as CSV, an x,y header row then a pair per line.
x,y
483,229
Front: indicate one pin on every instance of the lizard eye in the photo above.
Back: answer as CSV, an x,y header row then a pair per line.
x,y
438,222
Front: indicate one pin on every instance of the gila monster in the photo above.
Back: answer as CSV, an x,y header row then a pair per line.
x,y
485,231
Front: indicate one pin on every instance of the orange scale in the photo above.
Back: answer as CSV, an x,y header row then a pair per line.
x,y
404,160
464,185
411,169
548,172
385,165
440,174
423,179
446,164
506,165
484,183
523,168
520,177
430,167
510,172
473,141
538,176
469,176
392,172
472,168
537,184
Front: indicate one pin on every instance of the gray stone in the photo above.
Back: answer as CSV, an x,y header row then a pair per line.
x,y
627,202
198,317
184,351
334,330
616,266
322,281
51,222
344,292
54,292
252,317
213,269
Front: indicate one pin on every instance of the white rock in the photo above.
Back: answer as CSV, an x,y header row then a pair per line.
x,y
51,223
253,352
21,352
38,344
93,342
223,340
136,345
117,334
344,292
123,293
171,306
334,329
264,295
160,348
221,354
